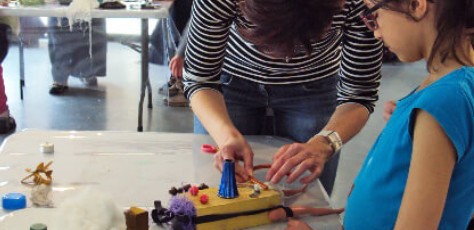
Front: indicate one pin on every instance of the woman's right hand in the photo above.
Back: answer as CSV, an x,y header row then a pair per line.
x,y
236,148
209,107
388,109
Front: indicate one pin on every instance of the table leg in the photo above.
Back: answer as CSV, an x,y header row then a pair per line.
x,y
22,66
146,61
148,86
145,79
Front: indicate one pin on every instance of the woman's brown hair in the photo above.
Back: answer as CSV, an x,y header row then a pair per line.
x,y
281,26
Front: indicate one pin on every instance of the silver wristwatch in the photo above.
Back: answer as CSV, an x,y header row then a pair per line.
x,y
333,138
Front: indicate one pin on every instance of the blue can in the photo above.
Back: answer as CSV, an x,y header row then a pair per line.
x,y
13,201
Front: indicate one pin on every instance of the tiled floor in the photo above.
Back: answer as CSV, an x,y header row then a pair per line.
x,y
113,105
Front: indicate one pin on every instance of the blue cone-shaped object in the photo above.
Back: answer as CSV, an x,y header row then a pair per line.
x,y
228,187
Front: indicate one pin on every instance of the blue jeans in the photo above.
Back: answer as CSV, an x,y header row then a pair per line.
x,y
300,111
69,49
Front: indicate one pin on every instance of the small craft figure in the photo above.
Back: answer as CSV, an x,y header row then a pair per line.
x,y
38,178
42,190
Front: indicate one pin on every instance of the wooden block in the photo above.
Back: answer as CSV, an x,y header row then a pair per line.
x,y
136,219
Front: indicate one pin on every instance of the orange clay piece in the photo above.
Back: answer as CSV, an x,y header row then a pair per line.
x,y
262,166
291,192
254,180
265,166
298,211
37,177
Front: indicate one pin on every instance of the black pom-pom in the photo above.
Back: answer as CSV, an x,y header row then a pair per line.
x,y
173,191
203,186
186,187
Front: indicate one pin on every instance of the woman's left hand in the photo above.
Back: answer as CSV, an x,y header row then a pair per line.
x,y
294,159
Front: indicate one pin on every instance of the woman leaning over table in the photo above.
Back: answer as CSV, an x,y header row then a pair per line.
x,y
312,61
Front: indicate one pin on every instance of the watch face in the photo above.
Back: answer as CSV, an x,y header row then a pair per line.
x,y
333,138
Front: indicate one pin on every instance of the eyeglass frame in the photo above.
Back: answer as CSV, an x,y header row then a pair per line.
x,y
369,18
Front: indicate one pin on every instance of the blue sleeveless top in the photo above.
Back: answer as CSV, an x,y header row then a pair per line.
x,y
378,189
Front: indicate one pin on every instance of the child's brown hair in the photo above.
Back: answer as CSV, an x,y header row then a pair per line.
x,y
454,21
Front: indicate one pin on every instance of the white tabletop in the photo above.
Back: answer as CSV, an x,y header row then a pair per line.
x,y
56,10
142,166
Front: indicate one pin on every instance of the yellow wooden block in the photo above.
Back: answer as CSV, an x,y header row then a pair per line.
x,y
136,210
244,202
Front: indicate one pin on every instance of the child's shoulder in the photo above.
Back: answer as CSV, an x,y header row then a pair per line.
x,y
464,82
459,82
453,92
466,71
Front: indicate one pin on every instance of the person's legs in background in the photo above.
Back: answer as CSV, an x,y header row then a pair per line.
x,y
7,123
180,13
159,52
69,52
85,66
59,37
176,67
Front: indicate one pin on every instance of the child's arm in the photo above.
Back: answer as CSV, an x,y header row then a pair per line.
x,y
431,167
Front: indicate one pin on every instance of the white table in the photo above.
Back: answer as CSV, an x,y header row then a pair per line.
x,y
151,163
55,10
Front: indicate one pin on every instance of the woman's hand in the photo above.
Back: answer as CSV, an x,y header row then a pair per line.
x,y
176,66
294,159
388,108
237,149
294,224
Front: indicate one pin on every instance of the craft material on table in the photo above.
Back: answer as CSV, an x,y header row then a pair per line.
x,y
208,148
105,160
13,201
38,173
47,147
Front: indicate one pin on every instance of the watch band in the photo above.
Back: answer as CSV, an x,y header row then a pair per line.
x,y
333,137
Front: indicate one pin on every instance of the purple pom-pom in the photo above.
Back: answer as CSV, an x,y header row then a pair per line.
x,y
180,205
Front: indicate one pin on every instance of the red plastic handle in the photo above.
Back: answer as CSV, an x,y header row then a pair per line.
x,y
207,148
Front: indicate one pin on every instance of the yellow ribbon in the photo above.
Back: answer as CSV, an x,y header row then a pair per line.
x,y
38,178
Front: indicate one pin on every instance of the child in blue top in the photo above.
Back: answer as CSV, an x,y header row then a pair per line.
x,y
419,174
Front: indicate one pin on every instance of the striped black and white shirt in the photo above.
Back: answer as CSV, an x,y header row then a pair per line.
x,y
348,49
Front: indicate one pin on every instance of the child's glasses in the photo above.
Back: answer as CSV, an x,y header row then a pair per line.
x,y
369,18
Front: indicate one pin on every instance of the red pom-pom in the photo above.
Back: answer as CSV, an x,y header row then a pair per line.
x,y
204,199
194,190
